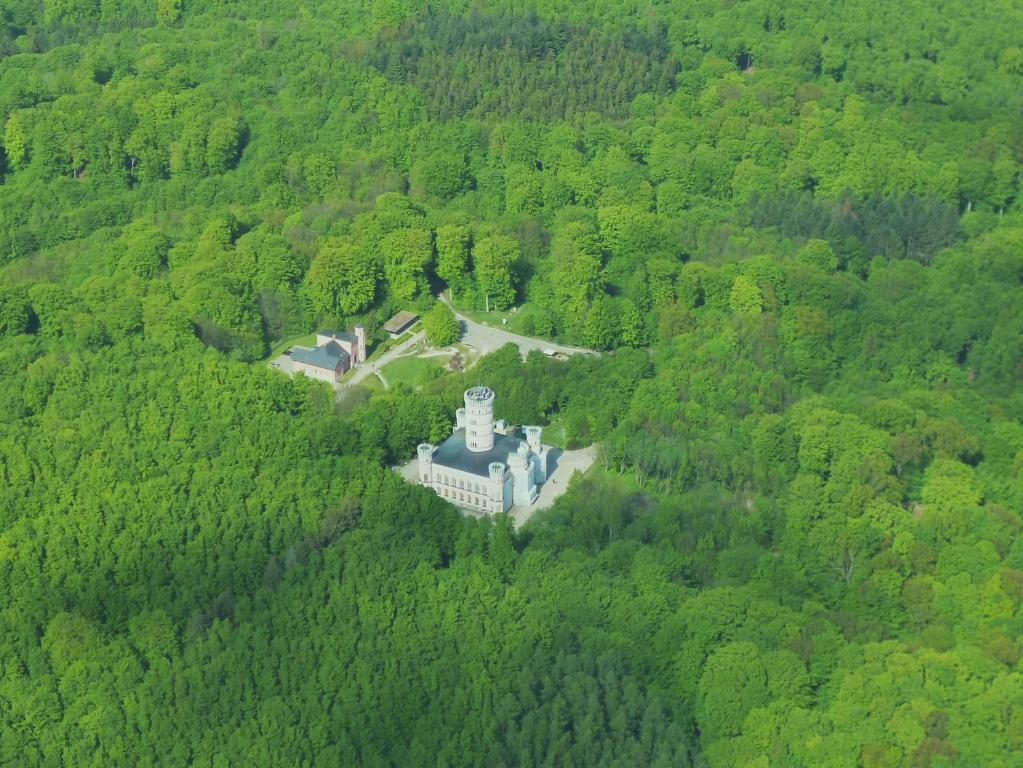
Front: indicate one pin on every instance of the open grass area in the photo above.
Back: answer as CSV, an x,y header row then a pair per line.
x,y
372,384
495,319
413,371
306,340
554,434
380,348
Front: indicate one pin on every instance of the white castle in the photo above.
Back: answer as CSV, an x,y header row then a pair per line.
x,y
483,466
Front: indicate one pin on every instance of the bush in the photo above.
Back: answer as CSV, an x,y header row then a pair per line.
x,y
441,326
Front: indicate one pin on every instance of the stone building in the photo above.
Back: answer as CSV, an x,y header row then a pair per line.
x,y
335,352
485,466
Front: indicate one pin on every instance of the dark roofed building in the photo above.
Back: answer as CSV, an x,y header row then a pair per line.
x,y
334,354
354,344
327,363
453,454
483,466
336,336
400,323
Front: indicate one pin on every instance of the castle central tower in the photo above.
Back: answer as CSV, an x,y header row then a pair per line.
x,y
479,419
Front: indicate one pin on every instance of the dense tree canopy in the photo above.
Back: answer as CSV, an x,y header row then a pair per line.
x,y
795,233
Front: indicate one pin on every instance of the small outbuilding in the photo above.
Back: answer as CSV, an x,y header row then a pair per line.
x,y
335,352
400,323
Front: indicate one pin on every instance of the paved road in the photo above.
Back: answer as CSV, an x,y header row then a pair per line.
x,y
486,338
567,463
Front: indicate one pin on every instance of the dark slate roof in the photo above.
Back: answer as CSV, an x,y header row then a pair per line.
x,y
342,335
400,321
453,454
327,356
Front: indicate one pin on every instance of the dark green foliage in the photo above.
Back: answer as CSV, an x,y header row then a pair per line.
x,y
894,226
794,233
15,315
545,70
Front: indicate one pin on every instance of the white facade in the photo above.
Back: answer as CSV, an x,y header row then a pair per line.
x,y
482,468
479,419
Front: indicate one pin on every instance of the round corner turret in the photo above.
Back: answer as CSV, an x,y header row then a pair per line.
x,y
425,453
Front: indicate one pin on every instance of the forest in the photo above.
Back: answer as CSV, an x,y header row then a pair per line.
x,y
794,232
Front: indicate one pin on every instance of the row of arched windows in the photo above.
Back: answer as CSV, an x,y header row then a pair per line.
x,y
465,498
459,483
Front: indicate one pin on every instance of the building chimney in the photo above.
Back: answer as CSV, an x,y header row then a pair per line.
x,y
360,337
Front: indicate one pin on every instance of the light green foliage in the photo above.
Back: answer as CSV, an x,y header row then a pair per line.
x,y
818,253
493,258
745,297
319,172
222,143
795,235
341,279
144,250
523,191
441,325
168,11
438,176
14,309
601,327
733,682
70,11
407,253
453,243
267,259
633,327
575,278
15,141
